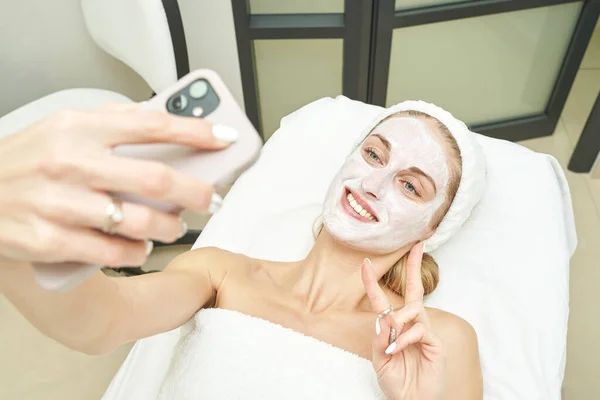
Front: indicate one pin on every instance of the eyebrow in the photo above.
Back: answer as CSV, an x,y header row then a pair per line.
x,y
385,142
420,172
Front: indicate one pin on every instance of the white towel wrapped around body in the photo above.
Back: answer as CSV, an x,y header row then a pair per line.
x,y
224,354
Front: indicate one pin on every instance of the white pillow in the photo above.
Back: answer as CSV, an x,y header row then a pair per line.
x,y
506,271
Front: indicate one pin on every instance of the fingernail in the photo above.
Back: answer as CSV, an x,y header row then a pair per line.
x,y
225,134
390,348
149,247
215,203
377,326
184,228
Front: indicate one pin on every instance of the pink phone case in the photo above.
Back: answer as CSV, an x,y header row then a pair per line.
x,y
219,168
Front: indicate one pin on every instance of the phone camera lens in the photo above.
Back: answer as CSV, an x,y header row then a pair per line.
x,y
178,103
198,89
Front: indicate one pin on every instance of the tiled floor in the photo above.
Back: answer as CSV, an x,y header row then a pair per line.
x,y
41,369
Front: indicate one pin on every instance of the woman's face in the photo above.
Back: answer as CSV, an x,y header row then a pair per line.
x,y
387,192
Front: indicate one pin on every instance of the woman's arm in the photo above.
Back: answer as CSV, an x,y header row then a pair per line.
x,y
102,313
463,380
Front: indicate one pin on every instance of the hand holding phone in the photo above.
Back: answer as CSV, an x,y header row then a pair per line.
x,y
200,94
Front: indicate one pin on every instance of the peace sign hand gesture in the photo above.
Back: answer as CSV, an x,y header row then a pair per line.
x,y
407,356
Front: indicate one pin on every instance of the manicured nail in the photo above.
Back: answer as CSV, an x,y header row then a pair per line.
x,y
390,348
149,247
377,326
215,203
184,228
225,134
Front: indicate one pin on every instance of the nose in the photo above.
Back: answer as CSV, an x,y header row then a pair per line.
x,y
372,185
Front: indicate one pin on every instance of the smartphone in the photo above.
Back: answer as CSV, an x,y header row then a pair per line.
x,y
200,94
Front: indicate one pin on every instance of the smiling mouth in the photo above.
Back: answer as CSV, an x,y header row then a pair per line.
x,y
357,207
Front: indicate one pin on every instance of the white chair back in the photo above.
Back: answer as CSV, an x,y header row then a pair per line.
x,y
137,33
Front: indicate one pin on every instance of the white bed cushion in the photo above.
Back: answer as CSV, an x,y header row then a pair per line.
x,y
506,271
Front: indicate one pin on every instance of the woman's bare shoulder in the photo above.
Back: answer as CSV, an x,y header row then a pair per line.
x,y
451,327
216,254
203,255
214,261
462,354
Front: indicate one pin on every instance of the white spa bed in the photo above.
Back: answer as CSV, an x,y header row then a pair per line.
x,y
506,271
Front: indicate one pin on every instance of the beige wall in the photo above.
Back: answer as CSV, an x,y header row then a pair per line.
x,y
45,47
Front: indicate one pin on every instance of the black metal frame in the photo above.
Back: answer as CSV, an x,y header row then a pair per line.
x,y
588,147
358,24
513,129
465,9
175,23
354,26
241,20
296,26
367,27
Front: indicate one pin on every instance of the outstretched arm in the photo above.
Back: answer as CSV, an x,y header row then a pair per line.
x,y
102,313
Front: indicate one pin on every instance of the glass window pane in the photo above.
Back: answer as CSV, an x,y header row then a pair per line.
x,y
409,4
292,73
296,7
483,69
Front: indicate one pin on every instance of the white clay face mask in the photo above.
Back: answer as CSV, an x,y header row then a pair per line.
x,y
379,201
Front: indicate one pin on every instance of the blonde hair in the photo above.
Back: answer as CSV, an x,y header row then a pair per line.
x,y
395,278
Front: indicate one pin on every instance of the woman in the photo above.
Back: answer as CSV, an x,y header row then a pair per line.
x,y
357,296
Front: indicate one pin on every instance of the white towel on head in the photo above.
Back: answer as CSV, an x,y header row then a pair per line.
x,y
224,354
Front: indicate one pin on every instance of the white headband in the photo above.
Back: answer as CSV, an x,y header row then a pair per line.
x,y
472,181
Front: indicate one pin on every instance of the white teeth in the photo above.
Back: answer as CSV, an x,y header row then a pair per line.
x,y
358,208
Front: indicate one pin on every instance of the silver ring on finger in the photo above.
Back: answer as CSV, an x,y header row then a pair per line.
x,y
385,312
113,216
392,338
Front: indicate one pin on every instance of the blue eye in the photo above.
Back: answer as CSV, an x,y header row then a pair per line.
x,y
409,186
372,155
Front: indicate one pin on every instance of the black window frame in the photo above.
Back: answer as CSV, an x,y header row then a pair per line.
x,y
367,27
